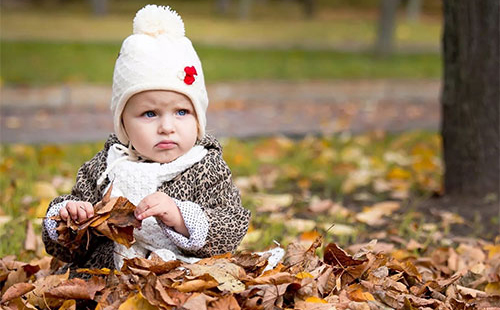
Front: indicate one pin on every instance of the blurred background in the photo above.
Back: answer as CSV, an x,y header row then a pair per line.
x,y
272,66
328,111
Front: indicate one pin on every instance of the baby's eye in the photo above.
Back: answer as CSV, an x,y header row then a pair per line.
x,y
182,112
149,114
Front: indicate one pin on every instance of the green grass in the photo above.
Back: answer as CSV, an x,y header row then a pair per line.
x,y
312,166
39,63
271,23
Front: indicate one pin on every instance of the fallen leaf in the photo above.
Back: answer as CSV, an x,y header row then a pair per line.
x,y
77,288
16,290
136,301
196,284
224,272
493,288
224,302
335,256
272,203
37,297
197,301
30,241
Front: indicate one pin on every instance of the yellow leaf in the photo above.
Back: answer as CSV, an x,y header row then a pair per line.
x,y
309,235
493,288
136,301
304,183
44,190
400,255
399,173
316,300
492,250
68,305
303,275
359,295
41,209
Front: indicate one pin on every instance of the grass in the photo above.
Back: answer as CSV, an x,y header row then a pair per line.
x,y
41,63
271,24
310,167
48,44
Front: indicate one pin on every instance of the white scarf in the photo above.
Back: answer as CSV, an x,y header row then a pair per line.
x,y
135,180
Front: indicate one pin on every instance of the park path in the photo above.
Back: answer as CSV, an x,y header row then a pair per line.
x,y
75,113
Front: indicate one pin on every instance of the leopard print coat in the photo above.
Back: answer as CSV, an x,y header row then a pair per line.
x,y
207,183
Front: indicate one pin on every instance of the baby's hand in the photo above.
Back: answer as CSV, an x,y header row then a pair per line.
x,y
78,210
163,207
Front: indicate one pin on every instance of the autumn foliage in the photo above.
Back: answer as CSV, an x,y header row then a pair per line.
x,y
369,279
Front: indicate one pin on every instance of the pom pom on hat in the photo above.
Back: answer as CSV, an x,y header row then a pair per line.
x,y
155,20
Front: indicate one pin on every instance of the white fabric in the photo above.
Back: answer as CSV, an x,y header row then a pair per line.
x,y
51,225
275,256
196,222
155,58
134,181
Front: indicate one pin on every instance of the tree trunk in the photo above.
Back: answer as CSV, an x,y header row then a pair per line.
x,y
471,98
245,8
99,7
222,6
309,8
413,10
386,25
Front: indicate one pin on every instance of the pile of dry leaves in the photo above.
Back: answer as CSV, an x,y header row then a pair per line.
x,y
467,277
463,277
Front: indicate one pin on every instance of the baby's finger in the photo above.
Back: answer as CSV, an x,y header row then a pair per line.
x,y
89,209
72,210
141,207
147,213
63,213
82,214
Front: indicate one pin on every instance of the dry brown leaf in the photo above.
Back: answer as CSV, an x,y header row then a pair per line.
x,y
253,264
310,305
336,256
224,272
30,241
224,302
121,222
77,288
297,258
37,297
197,301
277,278
195,284
156,294
16,290
320,206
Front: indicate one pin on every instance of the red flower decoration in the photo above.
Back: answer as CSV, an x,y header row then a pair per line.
x,y
190,73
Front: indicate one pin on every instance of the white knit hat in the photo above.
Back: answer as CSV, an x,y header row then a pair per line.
x,y
157,56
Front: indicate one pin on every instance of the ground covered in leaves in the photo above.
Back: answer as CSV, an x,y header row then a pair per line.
x,y
345,208
467,277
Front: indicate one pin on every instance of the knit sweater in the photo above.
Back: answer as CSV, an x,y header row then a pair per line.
x,y
203,191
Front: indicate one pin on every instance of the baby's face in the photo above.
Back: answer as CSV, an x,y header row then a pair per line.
x,y
160,124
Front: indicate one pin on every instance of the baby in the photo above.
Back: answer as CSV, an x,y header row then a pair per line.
x,y
160,157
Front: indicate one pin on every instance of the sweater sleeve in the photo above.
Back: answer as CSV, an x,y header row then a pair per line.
x,y
220,200
85,189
